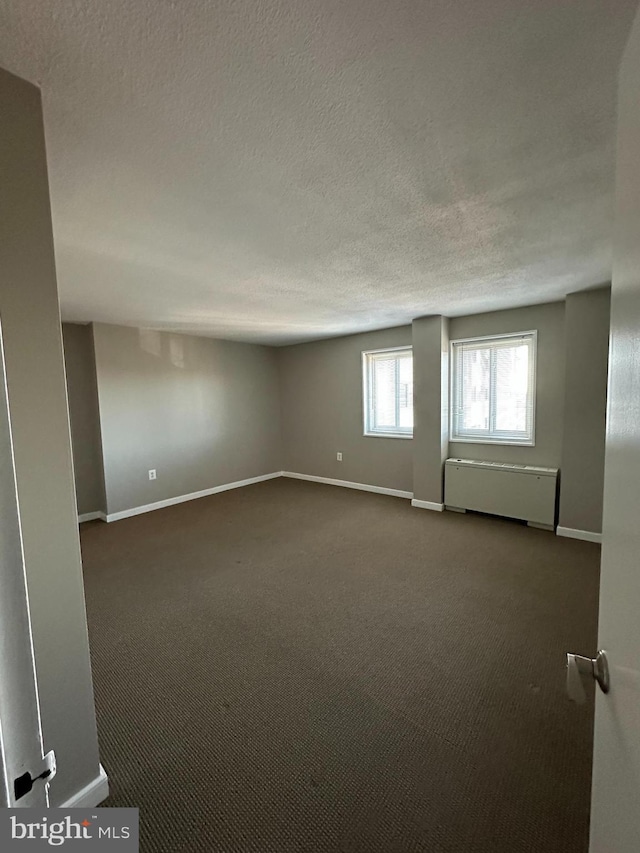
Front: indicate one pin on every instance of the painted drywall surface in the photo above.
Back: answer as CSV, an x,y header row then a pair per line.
x,y
42,447
548,320
583,444
615,817
321,392
431,406
200,412
281,171
84,415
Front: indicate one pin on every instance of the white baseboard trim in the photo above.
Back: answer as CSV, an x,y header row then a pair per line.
x,y
91,795
363,487
179,499
428,505
586,535
91,516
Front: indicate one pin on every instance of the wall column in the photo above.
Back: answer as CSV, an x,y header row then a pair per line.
x,y
586,362
431,409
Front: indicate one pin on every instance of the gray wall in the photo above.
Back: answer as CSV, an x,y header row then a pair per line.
x,y
587,348
82,390
205,413
431,406
38,408
321,388
201,412
549,321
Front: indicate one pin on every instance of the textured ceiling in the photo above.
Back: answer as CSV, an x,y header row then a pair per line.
x,y
284,170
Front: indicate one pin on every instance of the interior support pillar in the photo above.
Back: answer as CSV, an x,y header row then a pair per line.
x,y
431,409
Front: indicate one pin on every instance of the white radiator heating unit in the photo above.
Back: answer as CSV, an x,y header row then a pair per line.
x,y
525,492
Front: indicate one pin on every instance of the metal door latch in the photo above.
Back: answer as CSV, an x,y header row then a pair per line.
x,y
45,772
578,667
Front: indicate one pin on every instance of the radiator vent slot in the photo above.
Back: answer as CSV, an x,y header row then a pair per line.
x,y
525,492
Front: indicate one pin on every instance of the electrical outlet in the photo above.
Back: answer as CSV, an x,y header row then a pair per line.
x,y
152,474
339,456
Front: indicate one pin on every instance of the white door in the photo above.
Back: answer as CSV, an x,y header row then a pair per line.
x,y
24,771
615,812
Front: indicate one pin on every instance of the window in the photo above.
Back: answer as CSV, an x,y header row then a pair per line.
x,y
388,392
493,389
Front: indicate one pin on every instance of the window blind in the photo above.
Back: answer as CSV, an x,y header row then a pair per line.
x,y
493,389
388,392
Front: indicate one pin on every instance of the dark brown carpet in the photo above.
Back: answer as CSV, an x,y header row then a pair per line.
x,y
299,667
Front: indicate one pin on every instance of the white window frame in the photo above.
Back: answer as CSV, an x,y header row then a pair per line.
x,y
492,436
367,398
